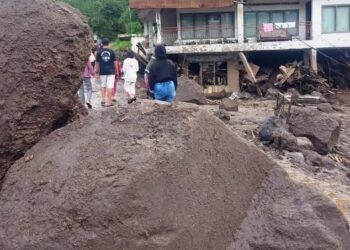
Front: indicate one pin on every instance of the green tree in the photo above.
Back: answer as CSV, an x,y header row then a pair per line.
x,y
108,18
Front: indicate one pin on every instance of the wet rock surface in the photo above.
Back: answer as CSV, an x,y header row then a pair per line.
x,y
43,45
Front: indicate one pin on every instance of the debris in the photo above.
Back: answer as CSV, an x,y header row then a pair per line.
x,y
229,105
322,130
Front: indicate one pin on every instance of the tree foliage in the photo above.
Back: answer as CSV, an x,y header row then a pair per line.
x,y
108,18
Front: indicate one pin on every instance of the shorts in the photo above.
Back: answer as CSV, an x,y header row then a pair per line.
x,y
107,81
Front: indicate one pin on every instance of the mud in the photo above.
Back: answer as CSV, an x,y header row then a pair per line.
x,y
43,46
143,176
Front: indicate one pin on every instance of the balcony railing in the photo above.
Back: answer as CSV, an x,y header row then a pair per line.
x,y
208,34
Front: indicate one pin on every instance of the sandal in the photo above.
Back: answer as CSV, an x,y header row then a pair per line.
x,y
109,105
131,100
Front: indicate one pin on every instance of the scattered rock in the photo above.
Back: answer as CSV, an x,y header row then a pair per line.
x,y
304,143
325,107
318,94
163,178
229,105
38,84
244,96
190,91
284,140
223,115
272,93
269,128
318,160
320,128
295,157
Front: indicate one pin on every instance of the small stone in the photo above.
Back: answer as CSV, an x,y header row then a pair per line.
x,y
229,105
304,143
325,107
295,157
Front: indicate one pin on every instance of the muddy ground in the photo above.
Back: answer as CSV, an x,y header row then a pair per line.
x,y
298,206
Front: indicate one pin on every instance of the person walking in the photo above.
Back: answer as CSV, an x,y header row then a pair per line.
x,y
130,69
105,71
87,74
162,76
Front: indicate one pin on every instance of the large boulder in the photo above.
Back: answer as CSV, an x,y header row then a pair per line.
x,y
43,46
322,130
190,91
146,176
285,215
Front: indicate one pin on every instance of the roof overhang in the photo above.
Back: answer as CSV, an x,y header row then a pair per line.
x,y
179,4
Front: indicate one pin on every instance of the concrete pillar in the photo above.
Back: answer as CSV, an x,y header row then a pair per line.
x,y
145,29
313,60
159,27
232,77
306,57
239,22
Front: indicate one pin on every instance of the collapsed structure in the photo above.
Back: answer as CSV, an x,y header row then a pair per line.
x,y
210,39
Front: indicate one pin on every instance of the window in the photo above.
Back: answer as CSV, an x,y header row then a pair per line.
x,y
254,20
336,19
207,25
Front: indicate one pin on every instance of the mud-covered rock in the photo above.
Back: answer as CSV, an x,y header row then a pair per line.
x,y
304,143
43,46
145,176
190,91
325,107
320,128
229,105
318,160
284,140
289,215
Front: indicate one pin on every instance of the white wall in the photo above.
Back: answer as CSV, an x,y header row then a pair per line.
x,y
327,40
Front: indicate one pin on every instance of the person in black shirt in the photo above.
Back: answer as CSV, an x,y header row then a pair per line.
x,y
162,76
105,70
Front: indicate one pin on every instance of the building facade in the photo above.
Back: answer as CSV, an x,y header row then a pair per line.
x,y
213,33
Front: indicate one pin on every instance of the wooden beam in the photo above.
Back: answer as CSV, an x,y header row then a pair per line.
x,y
249,71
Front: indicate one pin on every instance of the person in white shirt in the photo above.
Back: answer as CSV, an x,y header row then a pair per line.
x,y
130,69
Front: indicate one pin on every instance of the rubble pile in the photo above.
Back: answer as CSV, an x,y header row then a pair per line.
x,y
300,77
43,45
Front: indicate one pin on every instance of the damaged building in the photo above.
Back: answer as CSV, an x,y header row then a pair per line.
x,y
213,40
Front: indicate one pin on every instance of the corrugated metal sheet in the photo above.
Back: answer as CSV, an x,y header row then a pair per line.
x,y
179,4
